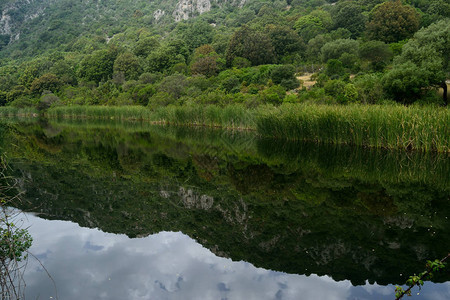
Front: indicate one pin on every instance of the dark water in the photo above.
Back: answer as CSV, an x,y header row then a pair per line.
x,y
143,212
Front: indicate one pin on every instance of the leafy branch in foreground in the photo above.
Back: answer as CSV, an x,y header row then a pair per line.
x,y
14,243
431,266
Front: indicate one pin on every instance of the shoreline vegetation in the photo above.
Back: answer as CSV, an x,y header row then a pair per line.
x,y
377,126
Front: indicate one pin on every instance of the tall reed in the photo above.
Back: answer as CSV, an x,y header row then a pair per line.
x,y
233,116
9,111
394,127
388,126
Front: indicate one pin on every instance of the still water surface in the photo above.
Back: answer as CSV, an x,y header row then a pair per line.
x,y
141,212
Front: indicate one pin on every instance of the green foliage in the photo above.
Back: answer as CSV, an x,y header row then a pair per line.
x,y
284,40
195,34
370,88
145,46
377,53
174,85
349,15
335,49
14,242
165,57
317,22
392,22
129,65
206,62
343,92
431,268
284,75
252,45
273,95
98,66
103,57
424,63
334,67
47,82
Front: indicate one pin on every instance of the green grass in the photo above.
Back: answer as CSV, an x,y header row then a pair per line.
x,y
393,127
388,126
234,116
9,111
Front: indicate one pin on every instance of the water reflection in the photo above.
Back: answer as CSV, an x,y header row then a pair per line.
x,y
90,264
352,214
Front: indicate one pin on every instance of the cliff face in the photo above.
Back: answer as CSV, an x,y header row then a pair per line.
x,y
15,13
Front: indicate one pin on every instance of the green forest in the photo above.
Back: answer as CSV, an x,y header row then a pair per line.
x,y
251,54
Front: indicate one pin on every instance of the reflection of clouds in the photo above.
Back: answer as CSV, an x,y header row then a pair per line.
x,y
89,264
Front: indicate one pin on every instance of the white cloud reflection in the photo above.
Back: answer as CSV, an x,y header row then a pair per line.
x,y
90,264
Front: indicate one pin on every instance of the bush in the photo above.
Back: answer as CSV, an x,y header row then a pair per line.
x,y
370,88
46,101
284,75
274,94
335,49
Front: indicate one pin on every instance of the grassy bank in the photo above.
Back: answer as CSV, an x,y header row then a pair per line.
x,y
392,127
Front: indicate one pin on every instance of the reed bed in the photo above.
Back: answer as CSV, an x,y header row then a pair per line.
x,y
234,116
100,112
9,111
388,126
393,127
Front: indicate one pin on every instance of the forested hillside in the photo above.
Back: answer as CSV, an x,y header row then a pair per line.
x,y
158,53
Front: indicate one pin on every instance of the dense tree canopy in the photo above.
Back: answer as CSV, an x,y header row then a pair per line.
x,y
98,66
392,21
251,54
252,45
349,15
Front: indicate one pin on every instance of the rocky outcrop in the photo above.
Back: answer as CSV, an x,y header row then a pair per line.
x,y
186,9
15,13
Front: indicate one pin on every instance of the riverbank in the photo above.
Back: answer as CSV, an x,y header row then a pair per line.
x,y
388,126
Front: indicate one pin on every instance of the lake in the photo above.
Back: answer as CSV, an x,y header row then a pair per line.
x,y
130,210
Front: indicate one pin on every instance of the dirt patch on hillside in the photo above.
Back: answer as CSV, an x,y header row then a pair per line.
x,y
306,81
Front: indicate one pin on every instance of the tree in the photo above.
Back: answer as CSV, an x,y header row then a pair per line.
x,y
98,66
349,16
392,21
128,64
3,98
317,22
65,72
145,46
334,49
174,85
168,55
284,75
252,45
163,59
4,40
424,63
47,82
205,61
314,46
284,40
377,53
196,34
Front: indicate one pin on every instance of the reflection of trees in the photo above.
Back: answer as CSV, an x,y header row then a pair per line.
x,y
297,208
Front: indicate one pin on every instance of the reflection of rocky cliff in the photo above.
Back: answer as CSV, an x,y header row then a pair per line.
x,y
302,219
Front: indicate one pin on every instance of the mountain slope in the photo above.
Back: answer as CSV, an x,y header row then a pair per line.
x,y
29,26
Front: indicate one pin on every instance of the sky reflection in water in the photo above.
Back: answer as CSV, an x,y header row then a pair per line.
x,y
90,264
